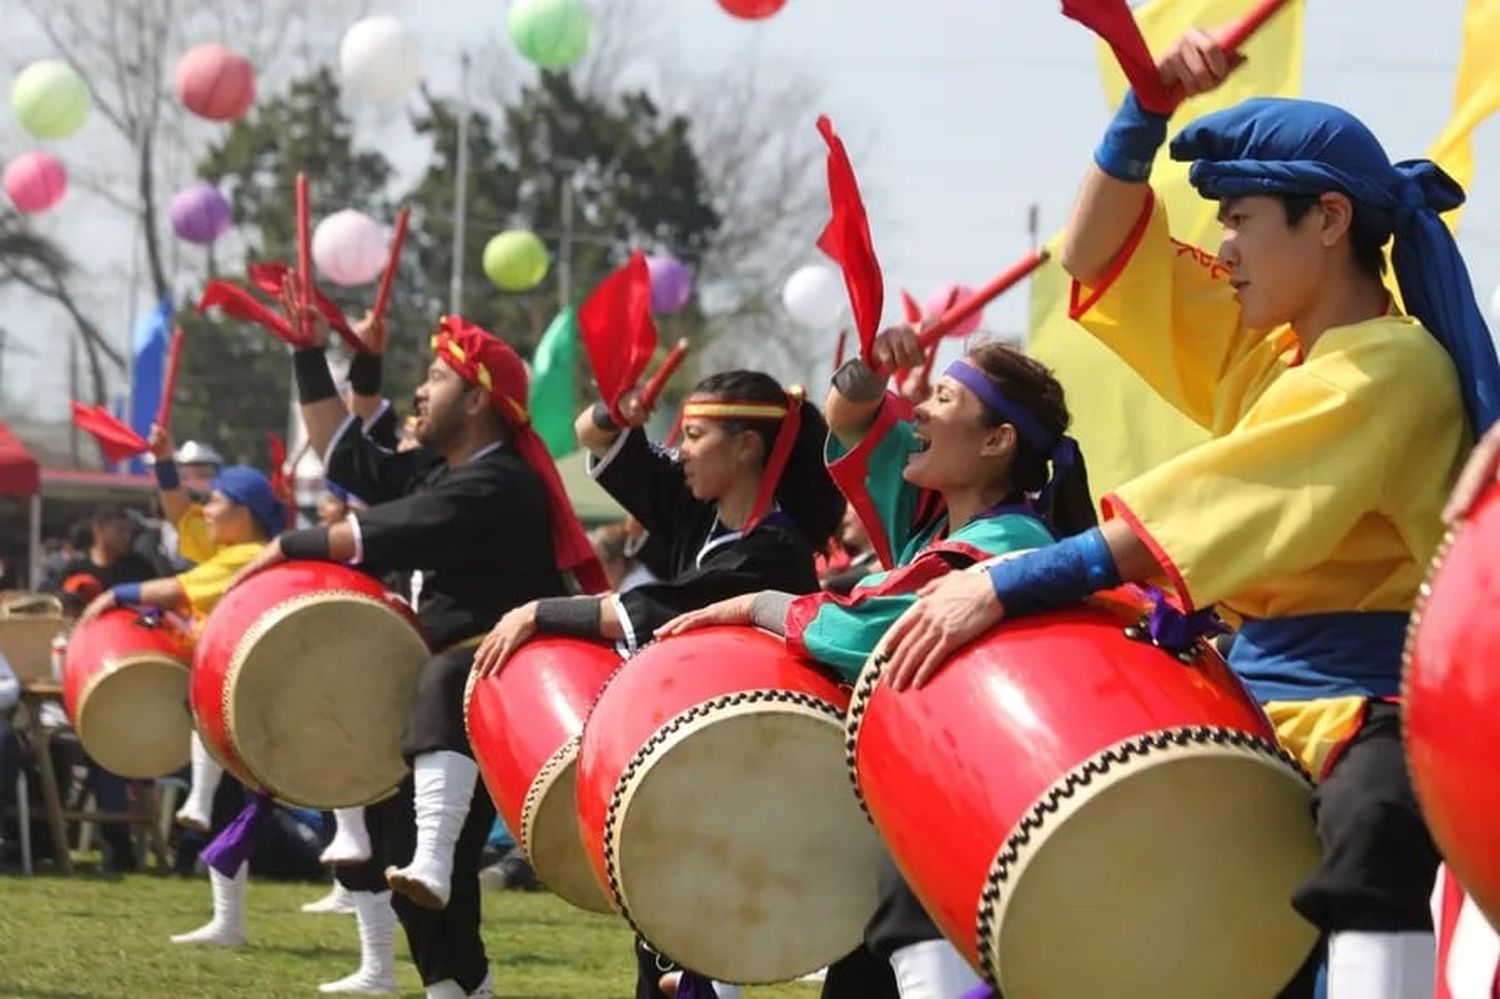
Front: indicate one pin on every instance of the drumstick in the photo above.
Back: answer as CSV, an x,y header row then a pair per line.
x,y
304,261
383,296
169,379
658,381
956,314
838,350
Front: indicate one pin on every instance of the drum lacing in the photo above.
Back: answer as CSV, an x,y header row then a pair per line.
x,y
859,703
661,735
1414,623
1082,776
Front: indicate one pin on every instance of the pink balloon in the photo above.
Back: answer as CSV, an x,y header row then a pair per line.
x,y
944,297
215,82
35,181
752,10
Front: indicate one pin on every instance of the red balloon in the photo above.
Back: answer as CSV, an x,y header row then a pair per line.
x,y
1452,697
752,10
215,82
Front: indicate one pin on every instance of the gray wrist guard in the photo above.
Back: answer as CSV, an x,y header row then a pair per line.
x,y
576,617
857,383
768,610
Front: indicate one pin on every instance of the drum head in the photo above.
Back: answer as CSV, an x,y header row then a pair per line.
x,y
553,841
738,848
318,693
133,719
1171,864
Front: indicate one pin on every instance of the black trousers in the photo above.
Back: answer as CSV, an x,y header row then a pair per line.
x,y
444,943
1379,862
857,975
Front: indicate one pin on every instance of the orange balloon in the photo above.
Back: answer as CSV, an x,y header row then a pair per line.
x,y
215,82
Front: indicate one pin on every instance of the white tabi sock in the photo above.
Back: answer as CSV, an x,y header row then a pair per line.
x,y
227,928
351,840
1365,965
377,948
205,773
932,969
444,785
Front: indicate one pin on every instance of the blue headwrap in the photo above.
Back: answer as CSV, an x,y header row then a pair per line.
x,y
1277,146
251,489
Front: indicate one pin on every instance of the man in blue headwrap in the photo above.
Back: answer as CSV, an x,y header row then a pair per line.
x,y
1338,426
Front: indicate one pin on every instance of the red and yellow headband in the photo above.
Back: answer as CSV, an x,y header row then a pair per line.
x,y
790,415
483,359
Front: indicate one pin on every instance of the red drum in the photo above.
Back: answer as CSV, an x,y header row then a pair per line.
x,y
1086,815
524,725
1451,695
125,686
716,809
302,682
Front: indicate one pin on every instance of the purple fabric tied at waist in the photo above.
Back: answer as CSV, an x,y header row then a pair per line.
x,y
231,848
695,986
1175,631
981,992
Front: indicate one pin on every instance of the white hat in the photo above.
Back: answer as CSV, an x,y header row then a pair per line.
x,y
194,453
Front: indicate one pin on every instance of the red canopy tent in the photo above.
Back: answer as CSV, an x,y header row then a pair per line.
x,y
19,474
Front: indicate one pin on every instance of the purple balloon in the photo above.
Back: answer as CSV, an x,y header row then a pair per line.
x,y
671,283
200,214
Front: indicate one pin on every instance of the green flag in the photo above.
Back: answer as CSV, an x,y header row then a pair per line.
x,y
554,396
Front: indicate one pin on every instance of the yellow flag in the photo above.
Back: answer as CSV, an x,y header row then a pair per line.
x,y
1476,96
1122,425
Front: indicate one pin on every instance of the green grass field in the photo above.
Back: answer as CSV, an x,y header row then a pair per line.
x,y
87,936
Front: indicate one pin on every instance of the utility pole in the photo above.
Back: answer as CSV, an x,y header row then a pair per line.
x,y
565,245
460,192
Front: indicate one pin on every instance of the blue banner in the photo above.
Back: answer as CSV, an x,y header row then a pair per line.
x,y
148,361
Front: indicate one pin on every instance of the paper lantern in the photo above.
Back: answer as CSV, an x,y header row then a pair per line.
x,y
752,10
515,260
671,283
35,181
947,295
380,58
349,248
50,99
199,214
815,296
554,34
215,83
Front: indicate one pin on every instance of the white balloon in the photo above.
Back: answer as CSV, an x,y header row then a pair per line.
x,y
349,248
380,58
815,296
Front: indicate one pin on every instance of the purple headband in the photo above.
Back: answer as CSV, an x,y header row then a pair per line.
x,y
1060,449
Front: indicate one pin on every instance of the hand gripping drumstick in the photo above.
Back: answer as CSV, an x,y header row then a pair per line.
x,y
658,381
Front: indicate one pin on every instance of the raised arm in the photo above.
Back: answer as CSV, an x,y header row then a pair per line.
x,y
854,397
174,499
323,411
365,371
1115,188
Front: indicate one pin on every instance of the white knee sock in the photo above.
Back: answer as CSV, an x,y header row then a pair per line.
x,y
227,928
377,948
932,969
197,809
1380,965
351,840
444,785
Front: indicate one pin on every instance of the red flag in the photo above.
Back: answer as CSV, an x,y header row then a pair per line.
x,y
909,308
117,441
282,481
1112,21
618,333
239,303
846,239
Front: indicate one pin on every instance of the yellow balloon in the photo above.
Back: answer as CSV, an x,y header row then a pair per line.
x,y
515,260
50,99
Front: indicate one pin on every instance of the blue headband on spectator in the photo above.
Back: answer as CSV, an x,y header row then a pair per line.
x,y
1292,147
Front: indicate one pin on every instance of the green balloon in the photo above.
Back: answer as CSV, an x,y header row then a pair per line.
x,y
554,34
515,260
50,99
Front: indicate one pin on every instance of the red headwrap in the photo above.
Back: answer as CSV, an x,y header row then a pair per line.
x,y
483,359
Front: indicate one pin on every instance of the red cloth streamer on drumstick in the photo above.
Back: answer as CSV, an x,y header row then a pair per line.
x,y
304,258
955,314
846,239
669,366
910,310
392,264
239,303
1112,21
117,441
282,482
618,333
839,348
169,379
270,275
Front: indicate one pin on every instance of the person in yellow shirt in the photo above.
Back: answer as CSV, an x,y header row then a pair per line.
x,y
222,536
1338,427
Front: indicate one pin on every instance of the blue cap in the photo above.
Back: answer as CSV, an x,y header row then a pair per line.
x,y
250,488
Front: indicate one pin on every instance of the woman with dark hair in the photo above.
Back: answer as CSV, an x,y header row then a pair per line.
x,y
982,468
744,504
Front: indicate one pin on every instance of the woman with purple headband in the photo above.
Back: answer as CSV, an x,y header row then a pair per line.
x,y
982,468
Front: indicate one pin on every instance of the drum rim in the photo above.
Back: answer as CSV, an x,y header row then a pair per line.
x,y
1126,753
859,703
664,734
272,615
546,776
